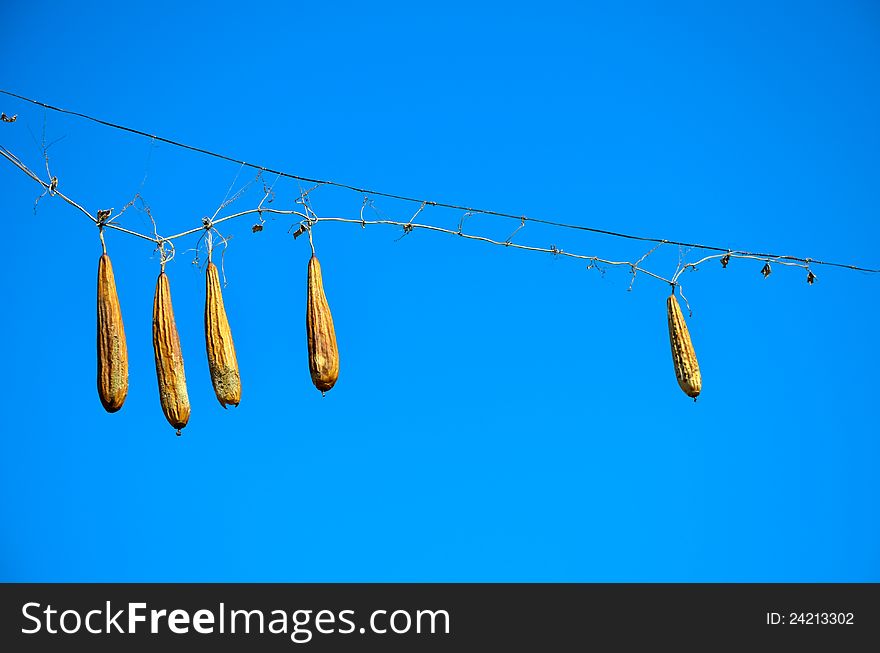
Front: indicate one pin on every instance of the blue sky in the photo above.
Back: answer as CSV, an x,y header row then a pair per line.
x,y
500,415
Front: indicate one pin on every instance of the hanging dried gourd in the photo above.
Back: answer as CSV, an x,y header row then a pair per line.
x,y
687,371
169,358
112,350
222,362
321,336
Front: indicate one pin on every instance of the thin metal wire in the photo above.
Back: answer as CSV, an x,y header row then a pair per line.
x,y
457,207
309,219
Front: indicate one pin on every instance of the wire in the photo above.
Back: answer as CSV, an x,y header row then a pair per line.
x,y
308,219
523,219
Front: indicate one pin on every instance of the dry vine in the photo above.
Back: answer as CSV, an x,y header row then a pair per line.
x,y
307,219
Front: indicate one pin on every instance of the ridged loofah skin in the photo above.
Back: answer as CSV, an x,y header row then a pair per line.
x,y
687,370
321,336
222,361
169,358
112,350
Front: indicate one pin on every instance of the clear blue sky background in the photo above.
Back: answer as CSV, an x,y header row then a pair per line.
x,y
500,415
